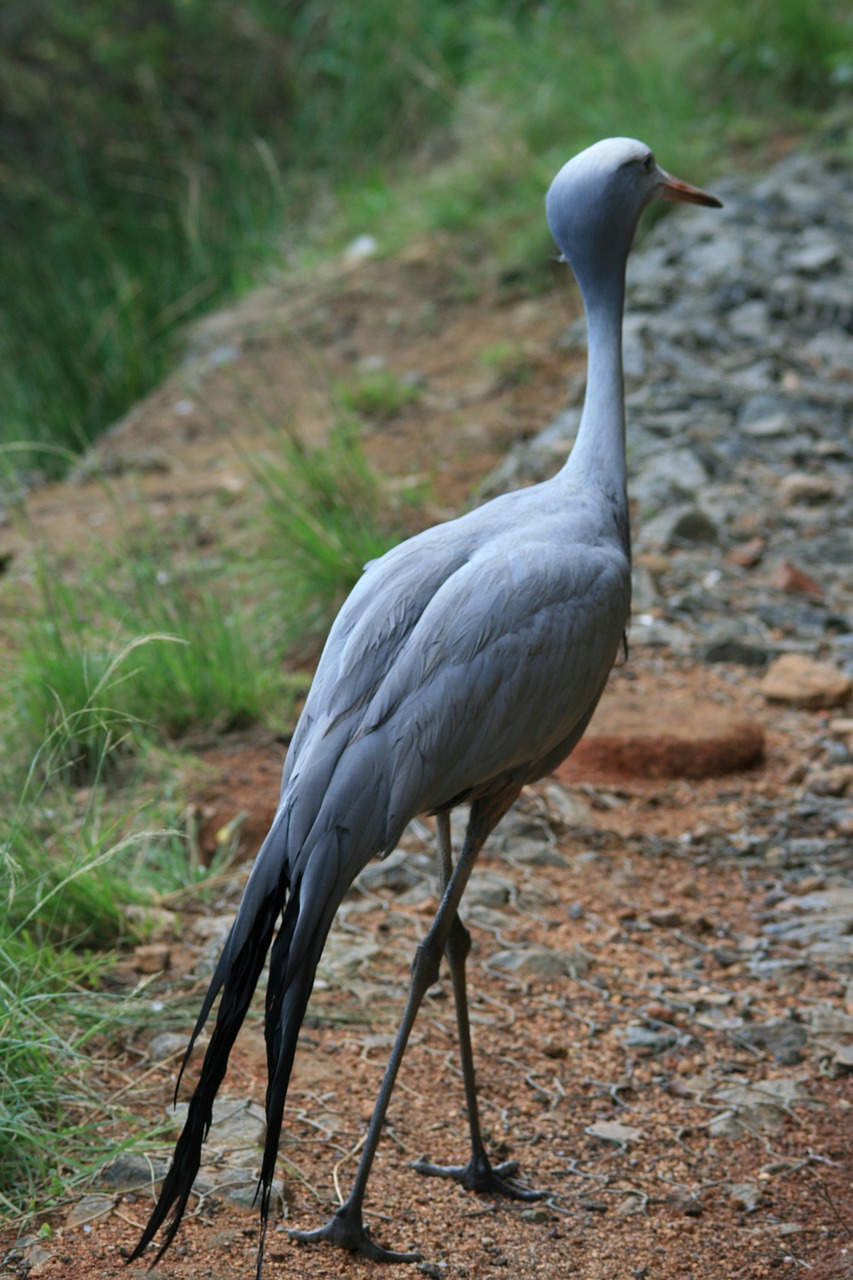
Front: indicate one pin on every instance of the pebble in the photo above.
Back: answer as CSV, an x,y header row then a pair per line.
x,y
783,1037
167,1045
613,1131
543,962
129,1172
88,1208
746,1196
152,957
787,577
800,681
802,487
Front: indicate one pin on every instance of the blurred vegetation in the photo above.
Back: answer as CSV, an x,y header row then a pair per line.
x,y
157,156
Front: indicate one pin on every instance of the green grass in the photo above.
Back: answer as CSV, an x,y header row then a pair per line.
x,y
376,395
46,1143
327,517
139,647
63,894
73,866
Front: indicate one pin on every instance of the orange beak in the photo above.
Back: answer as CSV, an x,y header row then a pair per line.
x,y
675,189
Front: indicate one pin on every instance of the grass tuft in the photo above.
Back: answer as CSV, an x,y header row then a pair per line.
x,y
328,517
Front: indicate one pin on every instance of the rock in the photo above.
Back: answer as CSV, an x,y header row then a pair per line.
x,y
152,957
88,1209
359,249
645,1041
395,873
748,554
736,651
650,733
816,255
671,474
486,889
129,1172
543,962
842,727
803,487
771,427
783,1037
167,1045
787,577
613,1131
681,526
533,853
746,1196
31,1254
799,681
764,1105
237,1122
666,918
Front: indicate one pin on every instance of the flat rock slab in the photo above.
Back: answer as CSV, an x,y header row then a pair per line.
x,y
654,733
799,681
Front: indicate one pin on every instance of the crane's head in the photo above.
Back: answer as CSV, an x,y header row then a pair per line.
x,y
595,202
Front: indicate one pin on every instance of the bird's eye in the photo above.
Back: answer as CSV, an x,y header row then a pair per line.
x,y
648,162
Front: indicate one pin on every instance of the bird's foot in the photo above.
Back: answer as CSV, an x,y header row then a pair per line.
x,y
347,1230
479,1175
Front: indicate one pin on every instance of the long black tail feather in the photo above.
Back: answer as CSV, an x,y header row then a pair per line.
x,y
237,975
312,900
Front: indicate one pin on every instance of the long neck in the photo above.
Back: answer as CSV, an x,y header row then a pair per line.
x,y
598,454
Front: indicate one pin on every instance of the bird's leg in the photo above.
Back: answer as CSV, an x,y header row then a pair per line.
x,y
346,1228
478,1174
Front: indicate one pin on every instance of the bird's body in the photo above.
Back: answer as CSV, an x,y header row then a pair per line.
x,y
466,663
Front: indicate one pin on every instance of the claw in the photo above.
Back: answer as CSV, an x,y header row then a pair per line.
x,y
347,1230
479,1175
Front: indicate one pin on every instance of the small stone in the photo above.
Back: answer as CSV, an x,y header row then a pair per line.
x,y
535,1215
770,427
747,554
815,257
666,918
841,727
167,1045
736,651
835,781
685,1203
787,577
542,962
239,1122
89,1208
746,1196
801,486
692,526
152,957
359,249
129,1172
645,1041
613,1131
555,1049
783,1037
799,681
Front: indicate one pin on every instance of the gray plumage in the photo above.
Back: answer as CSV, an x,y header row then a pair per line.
x,y
466,663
